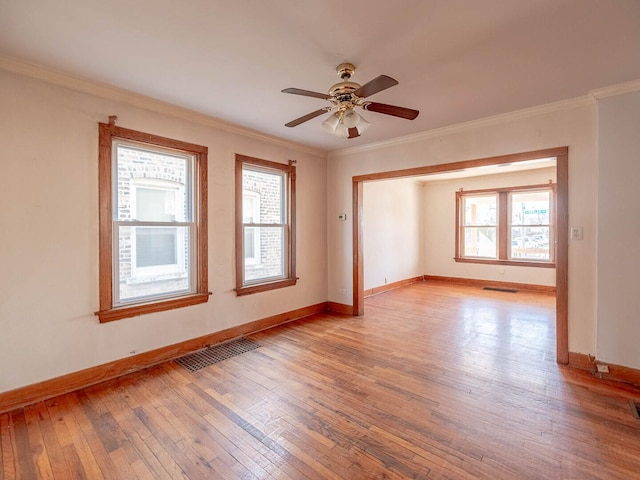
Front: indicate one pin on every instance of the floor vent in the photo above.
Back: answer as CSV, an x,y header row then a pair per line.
x,y
498,289
635,409
203,358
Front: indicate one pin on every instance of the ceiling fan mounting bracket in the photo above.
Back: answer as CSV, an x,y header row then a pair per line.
x,y
345,70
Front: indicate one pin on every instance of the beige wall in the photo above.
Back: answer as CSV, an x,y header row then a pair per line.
x,y
618,256
49,234
569,124
439,229
392,231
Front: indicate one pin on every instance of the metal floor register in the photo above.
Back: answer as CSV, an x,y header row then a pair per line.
x,y
203,358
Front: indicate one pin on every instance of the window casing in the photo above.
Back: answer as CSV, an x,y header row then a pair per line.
x,y
508,226
153,223
265,225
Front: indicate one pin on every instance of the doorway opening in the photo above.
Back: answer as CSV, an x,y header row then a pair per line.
x,y
561,237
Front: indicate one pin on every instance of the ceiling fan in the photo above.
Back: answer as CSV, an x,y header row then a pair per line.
x,y
344,97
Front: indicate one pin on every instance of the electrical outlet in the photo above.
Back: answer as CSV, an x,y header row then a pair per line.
x,y
602,368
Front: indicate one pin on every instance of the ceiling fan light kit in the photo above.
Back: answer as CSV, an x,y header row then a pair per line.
x,y
343,122
345,97
331,123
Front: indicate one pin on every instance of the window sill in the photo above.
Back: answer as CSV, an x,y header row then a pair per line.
x,y
513,263
161,306
264,287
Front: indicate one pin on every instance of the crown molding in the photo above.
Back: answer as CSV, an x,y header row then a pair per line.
x,y
619,89
109,92
471,125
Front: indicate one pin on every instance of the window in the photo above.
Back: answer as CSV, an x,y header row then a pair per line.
x,y
153,223
265,225
512,226
530,227
480,226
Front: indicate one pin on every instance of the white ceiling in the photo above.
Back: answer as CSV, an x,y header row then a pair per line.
x,y
456,60
541,163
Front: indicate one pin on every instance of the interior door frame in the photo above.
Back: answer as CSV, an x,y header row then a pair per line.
x,y
562,228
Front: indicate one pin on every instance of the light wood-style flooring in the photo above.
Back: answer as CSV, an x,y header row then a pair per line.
x,y
433,382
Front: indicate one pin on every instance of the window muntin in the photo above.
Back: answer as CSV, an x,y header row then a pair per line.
x,y
521,218
265,214
153,226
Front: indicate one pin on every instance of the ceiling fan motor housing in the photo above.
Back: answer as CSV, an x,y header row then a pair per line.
x,y
343,91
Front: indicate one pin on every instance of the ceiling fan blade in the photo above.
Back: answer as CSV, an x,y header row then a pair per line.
x,y
353,133
306,93
374,86
401,112
306,117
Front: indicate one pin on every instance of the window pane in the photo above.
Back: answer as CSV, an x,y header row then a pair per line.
x,y
271,260
530,208
156,246
480,242
151,186
270,188
152,261
250,209
480,210
155,205
249,246
530,243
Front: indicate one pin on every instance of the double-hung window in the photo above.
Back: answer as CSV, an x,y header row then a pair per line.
x,y
530,226
265,225
480,225
152,223
512,226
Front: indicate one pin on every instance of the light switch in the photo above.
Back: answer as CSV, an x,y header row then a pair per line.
x,y
576,233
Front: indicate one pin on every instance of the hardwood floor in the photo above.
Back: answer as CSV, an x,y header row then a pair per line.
x,y
433,382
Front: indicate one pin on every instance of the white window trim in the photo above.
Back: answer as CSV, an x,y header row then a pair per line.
x,y
133,223
282,226
550,225
475,226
